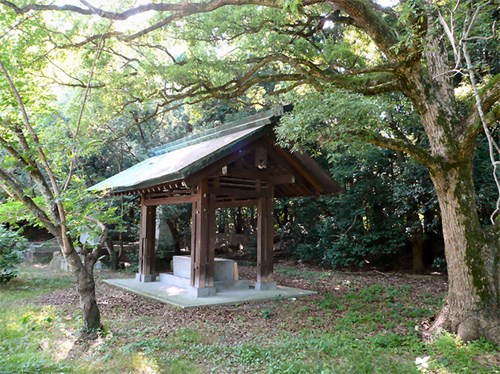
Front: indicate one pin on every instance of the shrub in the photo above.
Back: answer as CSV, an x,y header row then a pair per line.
x,y
12,246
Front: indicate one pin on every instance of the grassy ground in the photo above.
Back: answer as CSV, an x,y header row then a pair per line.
x,y
358,323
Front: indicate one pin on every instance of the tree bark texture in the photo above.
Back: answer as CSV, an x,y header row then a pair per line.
x,y
472,251
472,256
85,284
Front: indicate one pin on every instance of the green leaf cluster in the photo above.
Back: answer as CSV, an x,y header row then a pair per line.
x,y
12,247
332,117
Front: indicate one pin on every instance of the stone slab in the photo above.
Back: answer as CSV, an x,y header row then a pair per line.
x,y
168,278
174,280
241,284
180,297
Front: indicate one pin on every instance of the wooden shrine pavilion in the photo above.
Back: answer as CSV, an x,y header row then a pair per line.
x,y
236,164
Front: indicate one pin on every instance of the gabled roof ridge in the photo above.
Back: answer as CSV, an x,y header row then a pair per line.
x,y
255,120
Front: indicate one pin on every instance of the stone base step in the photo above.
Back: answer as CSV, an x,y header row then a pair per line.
x,y
174,280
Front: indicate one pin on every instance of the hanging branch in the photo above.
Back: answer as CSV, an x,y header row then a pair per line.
x,y
66,243
80,114
460,50
30,129
493,148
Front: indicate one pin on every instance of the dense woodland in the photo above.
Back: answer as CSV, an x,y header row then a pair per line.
x,y
399,103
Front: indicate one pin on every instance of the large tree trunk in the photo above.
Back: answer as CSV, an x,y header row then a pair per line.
x,y
472,254
472,251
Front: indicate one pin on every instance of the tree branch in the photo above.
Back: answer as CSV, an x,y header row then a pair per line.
x,y
402,145
490,96
30,129
181,7
67,246
360,12
80,114
33,170
494,150
12,186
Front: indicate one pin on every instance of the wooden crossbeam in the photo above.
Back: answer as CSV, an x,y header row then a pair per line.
x,y
235,192
252,175
236,203
170,200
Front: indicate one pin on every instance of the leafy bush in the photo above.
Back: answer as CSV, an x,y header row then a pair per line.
x,y
12,246
386,201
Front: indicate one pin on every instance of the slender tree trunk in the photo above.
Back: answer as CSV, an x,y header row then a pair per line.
x,y
113,256
175,236
417,249
84,274
472,254
238,222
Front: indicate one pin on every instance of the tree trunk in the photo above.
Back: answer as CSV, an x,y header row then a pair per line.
x,y
238,221
113,256
175,236
472,254
86,289
417,250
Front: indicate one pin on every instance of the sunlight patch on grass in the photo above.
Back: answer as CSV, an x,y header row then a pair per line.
x,y
29,337
307,274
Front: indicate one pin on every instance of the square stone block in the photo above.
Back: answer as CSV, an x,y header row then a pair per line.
x,y
201,292
225,270
145,278
265,286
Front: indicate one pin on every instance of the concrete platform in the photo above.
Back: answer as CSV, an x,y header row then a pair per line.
x,y
179,296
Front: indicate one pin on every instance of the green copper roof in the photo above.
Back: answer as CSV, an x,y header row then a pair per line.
x,y
181,158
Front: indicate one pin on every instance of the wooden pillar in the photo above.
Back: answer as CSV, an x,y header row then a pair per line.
x,y
265,236
203,243
147,244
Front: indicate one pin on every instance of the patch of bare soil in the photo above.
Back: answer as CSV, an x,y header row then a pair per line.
x,y
61,297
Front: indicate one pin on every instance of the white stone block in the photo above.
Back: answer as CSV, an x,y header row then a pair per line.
x,y
265,286
225,270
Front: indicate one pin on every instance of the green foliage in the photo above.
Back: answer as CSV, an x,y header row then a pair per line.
x,y
331,117
386,200
12,212
292,5
267,313
12,247
26,327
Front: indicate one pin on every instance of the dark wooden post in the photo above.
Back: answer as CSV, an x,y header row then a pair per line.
x,y
265,235
203,243
147,244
